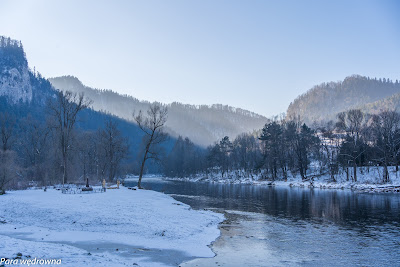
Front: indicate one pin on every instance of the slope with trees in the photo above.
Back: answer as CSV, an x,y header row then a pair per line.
x,y
357,144
323,102
203,124
53,136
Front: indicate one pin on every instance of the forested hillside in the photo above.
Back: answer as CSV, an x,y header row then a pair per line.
x,y
33,130
202,124
389,103
323,102
101,145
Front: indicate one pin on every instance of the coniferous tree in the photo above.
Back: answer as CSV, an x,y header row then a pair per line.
x,y
272,136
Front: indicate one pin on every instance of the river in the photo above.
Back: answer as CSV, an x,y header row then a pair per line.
x,y
281,226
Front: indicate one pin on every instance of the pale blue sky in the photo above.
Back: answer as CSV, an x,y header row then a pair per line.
x,y
258,55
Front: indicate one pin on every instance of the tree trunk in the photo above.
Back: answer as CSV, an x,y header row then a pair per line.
x,y
64,169
64,155
141,170
386,174
84,169
355,171
301,169
284,173
110,173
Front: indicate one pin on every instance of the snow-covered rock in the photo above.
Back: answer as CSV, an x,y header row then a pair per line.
x,y
16,84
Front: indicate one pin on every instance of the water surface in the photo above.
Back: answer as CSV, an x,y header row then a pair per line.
x,y
281,226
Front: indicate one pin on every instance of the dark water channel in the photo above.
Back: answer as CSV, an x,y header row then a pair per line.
x,y
283,226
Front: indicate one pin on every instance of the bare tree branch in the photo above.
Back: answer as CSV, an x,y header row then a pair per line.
x,y
152,126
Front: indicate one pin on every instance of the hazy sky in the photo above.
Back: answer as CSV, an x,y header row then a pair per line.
x,y
258,55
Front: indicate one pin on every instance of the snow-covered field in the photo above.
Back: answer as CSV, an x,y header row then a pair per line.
x,y
118,228
368,179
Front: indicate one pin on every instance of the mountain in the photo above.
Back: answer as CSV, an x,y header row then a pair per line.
x,y
19,86
389,103
24,94
202,124
14,72
324,101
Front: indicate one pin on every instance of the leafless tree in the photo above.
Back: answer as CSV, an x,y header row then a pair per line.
x,y
64,110
152,126
330,145
386,129
114,148
34,144
8,168
7,129
353,122
87,151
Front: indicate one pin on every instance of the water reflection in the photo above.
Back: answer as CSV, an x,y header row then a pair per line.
x,y
280,226
340,206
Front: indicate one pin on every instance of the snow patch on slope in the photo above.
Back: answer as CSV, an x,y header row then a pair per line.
x,y
16,84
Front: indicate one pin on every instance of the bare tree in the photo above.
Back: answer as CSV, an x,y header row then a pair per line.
x,y
386,128
114,148
7,129
330,145
87,150
152,126
64,110
34,144
352,122
8,168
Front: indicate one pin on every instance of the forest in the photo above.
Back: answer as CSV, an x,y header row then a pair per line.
x,y
54,137
323,102
284,148
55,151
50,137
35,152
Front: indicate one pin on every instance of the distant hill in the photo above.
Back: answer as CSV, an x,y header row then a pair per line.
x,y
202,124
389,103
324,101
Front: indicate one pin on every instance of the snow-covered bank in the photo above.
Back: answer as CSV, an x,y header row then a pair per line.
x,y
368,180
119,227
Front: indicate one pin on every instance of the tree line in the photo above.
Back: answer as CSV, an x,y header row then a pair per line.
x,y
55,151
288,147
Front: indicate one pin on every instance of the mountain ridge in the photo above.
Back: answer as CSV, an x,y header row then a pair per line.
x,y
203,124
324,101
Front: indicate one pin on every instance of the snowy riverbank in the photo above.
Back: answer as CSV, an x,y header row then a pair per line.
x,y
368,180
117,228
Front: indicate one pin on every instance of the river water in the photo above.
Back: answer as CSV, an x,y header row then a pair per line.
x,y
283,226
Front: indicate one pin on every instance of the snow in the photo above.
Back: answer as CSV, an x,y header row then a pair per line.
x,y
369,179
117,228
16,85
